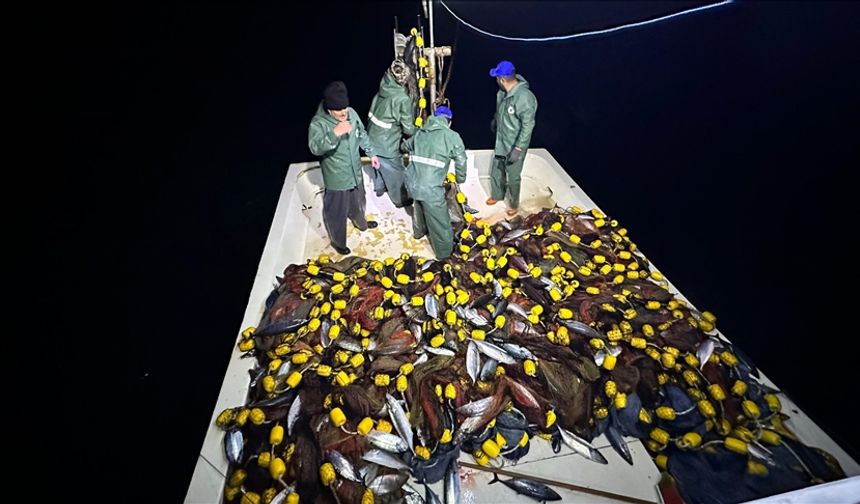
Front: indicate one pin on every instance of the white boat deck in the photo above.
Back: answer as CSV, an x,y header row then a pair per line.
x,y
297,234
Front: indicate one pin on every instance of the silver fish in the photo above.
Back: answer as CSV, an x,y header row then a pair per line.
x,y
497,288
473,361
548,284
466,428
427,264
518,352
475,408
411,496
284,370
256,375
325,341
614,350
617,441
385,459
399,419
234,443
293,415
387,442
494,352
529,488
599,357
472,316
517,310
343,467
416,331
488,370
513,235
388,483
439,351
431,305
452,484
582,329
760,452
504,223
368,473
581,446
704,352
348,343
430,496
500,308
421,360
282,495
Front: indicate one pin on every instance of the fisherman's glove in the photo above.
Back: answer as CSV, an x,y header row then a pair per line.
x,y
514,156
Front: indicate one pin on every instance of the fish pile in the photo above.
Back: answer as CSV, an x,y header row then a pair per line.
x,y
374,376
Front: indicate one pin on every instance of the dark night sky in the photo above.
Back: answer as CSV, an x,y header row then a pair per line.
x,y
722,140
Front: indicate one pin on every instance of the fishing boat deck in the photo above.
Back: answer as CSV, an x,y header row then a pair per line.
x,y
297,233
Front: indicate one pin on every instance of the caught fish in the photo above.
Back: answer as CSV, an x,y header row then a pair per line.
x,y
488,370
704,352
582,329
518,352
347,343
497,288
529,488
517,310
476,408
293,415
618,444
430,496
452,484
614,350
513,235
439,351
399,419
387,442
325,340
343,466
494,352
500,307
411,496
281,326
256,375
284,370
368,472
281,497
581,446
431,305
472,316
385,459
388,483
234,444
473,361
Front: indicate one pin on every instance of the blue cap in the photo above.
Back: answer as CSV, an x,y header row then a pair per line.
x,y
444,111
503,69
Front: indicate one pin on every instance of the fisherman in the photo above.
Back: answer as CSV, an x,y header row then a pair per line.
x,y
335,134
431,151
391,116
513,124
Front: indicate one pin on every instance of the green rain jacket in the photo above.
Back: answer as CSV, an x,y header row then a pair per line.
x,y
391,116
515,117
339,159
432,149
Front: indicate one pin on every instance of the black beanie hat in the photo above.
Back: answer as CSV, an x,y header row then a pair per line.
x,y
335,96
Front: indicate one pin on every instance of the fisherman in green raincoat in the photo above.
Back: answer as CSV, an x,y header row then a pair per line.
x,y
392,116
335,135
513,123
431,151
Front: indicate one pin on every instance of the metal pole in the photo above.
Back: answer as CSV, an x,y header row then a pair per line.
x,y
432,44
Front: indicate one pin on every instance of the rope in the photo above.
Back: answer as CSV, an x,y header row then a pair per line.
x,y
588,33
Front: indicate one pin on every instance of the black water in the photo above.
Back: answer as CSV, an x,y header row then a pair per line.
x,y
724,141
